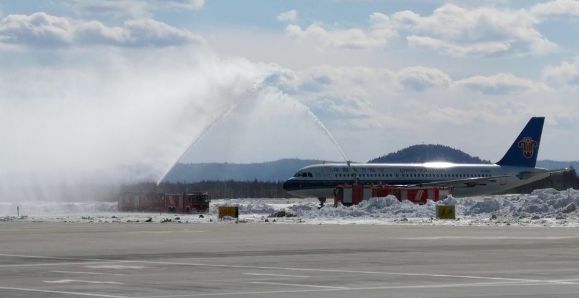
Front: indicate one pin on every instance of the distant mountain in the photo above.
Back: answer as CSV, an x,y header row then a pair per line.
x,y
279,170
427,153
555,165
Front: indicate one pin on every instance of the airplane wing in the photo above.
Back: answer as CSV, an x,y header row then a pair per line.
x,y
468,182
494,184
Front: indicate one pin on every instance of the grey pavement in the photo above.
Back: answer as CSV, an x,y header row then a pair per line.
x,y
286,260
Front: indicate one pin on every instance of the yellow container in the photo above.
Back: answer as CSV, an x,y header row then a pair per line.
x,y
228,211
445,212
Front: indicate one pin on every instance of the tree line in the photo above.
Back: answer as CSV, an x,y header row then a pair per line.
x,y
216,189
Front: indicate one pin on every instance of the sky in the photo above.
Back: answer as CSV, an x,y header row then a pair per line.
x,y
125,87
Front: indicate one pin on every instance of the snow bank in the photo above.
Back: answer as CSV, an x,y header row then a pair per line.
x,y
387,208
542,207
56,208
541,203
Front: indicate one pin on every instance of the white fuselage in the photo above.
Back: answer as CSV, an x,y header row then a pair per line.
x,y
321,180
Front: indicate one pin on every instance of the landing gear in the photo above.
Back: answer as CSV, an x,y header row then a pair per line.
x,y
322,202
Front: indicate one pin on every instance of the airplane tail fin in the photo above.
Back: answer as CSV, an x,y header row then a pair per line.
x,y
524,151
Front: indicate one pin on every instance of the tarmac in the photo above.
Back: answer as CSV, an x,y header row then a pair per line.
x,y
286,260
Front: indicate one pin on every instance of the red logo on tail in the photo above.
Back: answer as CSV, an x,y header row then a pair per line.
x,y
528,145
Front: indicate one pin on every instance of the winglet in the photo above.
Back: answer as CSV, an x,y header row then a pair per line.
x,y
524,151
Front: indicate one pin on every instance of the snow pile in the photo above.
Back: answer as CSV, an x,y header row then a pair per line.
x,y
375,208
257,207
542,207
56,208
544,203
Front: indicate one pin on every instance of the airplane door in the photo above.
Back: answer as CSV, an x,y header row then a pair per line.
x,y
347,198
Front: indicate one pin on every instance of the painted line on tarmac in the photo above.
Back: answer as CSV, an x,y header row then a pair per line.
x,y
105,261
489,238
57,264
88,273
61,292
341,271
297,285
566,281
273,274
378,288
167,232
69,281
45,257
114,266
79,261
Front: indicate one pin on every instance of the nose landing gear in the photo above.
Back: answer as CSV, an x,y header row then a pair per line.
x,y
322,202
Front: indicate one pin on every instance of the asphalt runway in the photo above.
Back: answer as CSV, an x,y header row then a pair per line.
x,y
286,260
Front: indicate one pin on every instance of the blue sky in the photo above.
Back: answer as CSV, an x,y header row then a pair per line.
x,y
85,78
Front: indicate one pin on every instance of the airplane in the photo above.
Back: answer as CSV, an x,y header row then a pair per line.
x,y
516,168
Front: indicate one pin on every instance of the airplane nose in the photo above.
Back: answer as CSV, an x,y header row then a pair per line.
x,y
289,185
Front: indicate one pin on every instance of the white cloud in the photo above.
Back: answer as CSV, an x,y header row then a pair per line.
x,y
450,29
42,29
379,33
323,78
183,4
352,82
133,8
371,98
556,8
420,78
476,49
289,16
336,94
482,31
566,73
499,84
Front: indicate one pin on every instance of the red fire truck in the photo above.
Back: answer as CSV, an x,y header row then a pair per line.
x,y
354,194
193,202
187,202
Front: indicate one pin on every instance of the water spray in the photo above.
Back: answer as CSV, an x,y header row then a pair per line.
x,y
234,106
328,134
221,116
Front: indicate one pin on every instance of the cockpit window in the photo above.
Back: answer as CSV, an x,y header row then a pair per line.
x,y
303,174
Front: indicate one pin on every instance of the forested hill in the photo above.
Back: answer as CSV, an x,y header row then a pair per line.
x,y
427,153
278,170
